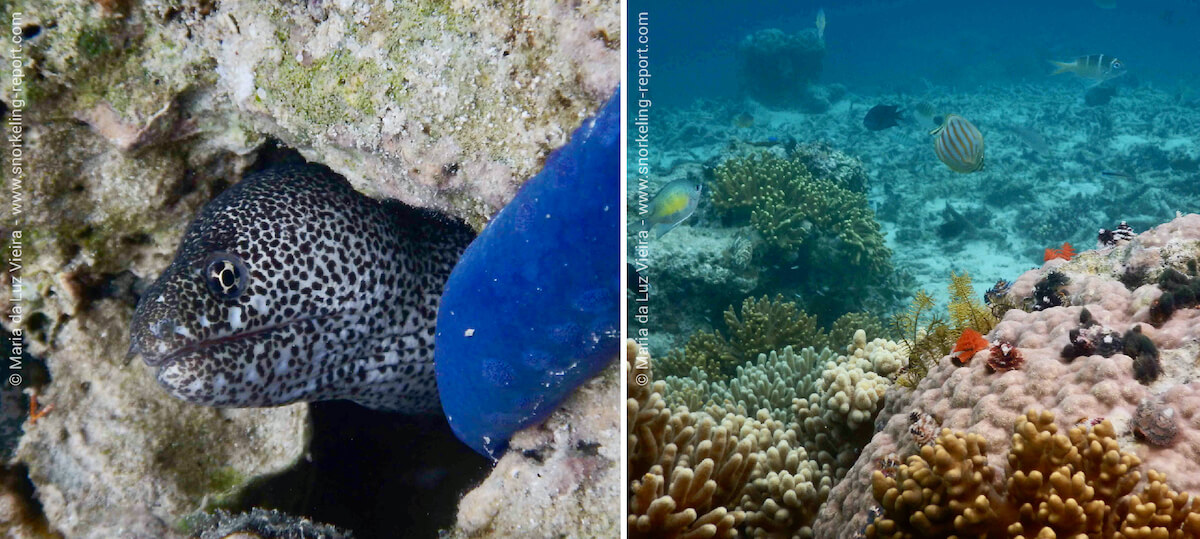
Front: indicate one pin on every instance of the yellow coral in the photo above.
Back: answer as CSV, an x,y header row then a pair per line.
x,y
686,474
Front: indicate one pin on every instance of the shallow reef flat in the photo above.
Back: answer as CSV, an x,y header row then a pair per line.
x,y
1043,182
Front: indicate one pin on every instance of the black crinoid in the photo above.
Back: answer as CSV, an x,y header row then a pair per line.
x,y
1138,346
1179,292
1049,292
1091,338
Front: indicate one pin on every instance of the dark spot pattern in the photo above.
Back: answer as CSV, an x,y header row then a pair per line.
x,y
340,297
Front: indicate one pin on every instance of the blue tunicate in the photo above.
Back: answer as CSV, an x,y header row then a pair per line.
x,y
531,310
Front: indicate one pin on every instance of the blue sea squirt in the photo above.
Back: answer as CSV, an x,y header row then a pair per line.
x,y
531,310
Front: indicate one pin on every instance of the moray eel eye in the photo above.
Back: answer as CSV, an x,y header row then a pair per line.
x,y
226,275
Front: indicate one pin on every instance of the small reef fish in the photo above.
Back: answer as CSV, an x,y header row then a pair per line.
x,y
1066,252
968,344
674,203
821,25
1117,174
1097,67
881,117
959,144
743,120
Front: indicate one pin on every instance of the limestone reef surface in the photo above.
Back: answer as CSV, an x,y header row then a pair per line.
x,y
1120,286
138,112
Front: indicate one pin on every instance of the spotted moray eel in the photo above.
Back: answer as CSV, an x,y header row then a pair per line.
x,y
291,286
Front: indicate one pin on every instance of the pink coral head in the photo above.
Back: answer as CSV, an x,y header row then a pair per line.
x,y
1005,357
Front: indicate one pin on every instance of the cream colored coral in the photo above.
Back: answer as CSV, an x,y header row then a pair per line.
x,y
687,472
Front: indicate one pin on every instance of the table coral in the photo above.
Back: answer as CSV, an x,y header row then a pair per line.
x,y
1092,386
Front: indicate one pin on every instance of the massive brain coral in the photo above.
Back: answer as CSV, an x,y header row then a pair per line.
x,y
1118,285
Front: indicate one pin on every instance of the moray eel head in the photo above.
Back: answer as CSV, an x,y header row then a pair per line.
x,y
291,286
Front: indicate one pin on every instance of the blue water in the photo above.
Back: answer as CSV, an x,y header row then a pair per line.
x,y
897,44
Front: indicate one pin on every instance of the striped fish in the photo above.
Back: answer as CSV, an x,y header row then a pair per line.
x,y
959,144
1097,67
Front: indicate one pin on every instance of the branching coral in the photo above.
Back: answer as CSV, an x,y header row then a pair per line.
x,y
809,411
793,209
939,493
1077,484
687,473
760,326
1065,484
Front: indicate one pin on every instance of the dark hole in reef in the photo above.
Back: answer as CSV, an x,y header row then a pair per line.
x,y
30,31
449,170
38,326
374,473
14,479
3,109
534,454
590,449
274,154
184,187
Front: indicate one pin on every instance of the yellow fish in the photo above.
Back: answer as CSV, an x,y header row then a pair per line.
x,y
1097,67
671,205
821,25
959,144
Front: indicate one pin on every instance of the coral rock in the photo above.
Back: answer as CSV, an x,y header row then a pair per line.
x,y
1155,423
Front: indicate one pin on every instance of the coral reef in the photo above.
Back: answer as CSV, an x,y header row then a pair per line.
x,y
764,324
799,417
672,460
531,310
796,211
777,68
951,476
1076,484
1087,388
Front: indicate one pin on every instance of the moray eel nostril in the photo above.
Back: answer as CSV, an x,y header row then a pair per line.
x,y
291,286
